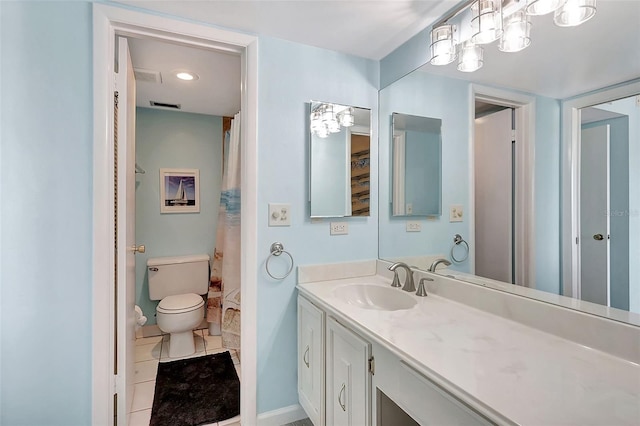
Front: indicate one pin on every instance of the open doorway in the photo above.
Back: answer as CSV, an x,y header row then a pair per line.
x,y
110,360
501,160
186,99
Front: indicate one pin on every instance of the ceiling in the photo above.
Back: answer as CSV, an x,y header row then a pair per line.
x,y
215,92
560,63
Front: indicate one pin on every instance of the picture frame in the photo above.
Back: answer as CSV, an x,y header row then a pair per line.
x,y
179,191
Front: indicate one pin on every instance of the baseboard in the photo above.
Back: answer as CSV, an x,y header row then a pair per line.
x,y
282,416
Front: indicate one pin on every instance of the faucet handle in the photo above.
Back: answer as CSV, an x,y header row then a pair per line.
x,y
396,280
421,291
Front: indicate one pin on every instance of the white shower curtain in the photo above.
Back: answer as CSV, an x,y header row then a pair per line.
x,y
223,306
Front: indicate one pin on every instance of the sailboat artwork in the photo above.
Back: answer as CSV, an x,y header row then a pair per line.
x,y
181,195
179,191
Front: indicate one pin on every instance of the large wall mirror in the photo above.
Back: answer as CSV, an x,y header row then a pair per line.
x,y
540,155
416,163
339,163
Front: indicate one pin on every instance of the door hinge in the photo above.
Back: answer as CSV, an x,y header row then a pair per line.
x,y
577,240
372,365
513,136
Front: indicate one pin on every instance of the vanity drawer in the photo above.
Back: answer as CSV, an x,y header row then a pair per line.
x,y
429,404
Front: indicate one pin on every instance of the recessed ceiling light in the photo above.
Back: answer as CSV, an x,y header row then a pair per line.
x,y
186,75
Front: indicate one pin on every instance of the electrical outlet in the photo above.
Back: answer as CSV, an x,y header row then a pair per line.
x,y
339,228
413,226
456,213
409,208
279,214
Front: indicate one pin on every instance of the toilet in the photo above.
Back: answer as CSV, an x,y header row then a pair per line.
x,y
179,283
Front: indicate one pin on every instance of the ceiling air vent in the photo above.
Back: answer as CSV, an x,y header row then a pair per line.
x,y
148,76
165,105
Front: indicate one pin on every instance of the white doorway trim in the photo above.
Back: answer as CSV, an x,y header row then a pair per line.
x,y
107,22
570,177
525,107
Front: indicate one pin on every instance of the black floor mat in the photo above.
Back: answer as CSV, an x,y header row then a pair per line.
x,y
196,391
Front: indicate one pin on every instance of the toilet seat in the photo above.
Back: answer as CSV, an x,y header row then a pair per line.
x,y
180,304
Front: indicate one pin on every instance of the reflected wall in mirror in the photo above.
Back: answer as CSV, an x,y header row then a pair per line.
x,y
416,171
339,160
581,64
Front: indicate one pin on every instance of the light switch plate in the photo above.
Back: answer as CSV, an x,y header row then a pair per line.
x,y
414,226
279,214
456,213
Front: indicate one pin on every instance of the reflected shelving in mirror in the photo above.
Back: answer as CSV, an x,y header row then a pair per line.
x,y
339,163
416,148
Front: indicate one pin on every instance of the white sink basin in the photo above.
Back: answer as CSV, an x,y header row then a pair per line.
x,y
369,296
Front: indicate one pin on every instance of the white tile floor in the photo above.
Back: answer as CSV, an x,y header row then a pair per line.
x,y
152,350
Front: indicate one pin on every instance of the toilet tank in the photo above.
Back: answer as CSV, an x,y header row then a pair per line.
x,y
169,276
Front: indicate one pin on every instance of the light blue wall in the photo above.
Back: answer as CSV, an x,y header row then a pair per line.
x,y
46,213
46,130
171,139
291,75
447,99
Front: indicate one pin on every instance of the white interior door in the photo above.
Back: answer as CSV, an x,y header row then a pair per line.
x,y
125,231
493,195
594,220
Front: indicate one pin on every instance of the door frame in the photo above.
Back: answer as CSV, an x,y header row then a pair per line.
x,y
525,107
570,180
109,21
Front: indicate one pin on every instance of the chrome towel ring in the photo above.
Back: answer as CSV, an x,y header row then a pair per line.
x,y
276,250
457,241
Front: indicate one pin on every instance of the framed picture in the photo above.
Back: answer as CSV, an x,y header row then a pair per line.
x,y
179,191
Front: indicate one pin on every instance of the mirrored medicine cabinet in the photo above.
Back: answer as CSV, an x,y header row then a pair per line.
x,y
416,170
339,160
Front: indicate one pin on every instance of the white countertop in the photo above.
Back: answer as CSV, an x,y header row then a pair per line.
x,y
530,377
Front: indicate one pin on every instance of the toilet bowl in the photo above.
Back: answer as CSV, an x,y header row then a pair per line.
x,y
178,315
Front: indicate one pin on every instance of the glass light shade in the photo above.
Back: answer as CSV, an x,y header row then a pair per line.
x,y
542,7
322,132
516,29
346,117
333,126
316,120
574,12
443,46
471,57
327,112
486,21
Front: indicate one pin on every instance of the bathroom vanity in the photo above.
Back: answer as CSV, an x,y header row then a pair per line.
x,y
370,354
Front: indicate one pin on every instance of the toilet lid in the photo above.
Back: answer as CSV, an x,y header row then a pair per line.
x,y
180,303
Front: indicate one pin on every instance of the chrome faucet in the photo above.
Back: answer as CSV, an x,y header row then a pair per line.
x,y
408,282
435,264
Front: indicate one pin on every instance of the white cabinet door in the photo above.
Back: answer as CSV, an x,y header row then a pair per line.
x,y
311,360
348,394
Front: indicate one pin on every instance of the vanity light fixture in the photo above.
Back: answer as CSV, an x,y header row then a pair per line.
x,y
574,12
471,57
516,30
486,21
477,22
542,7
443,45
329,118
